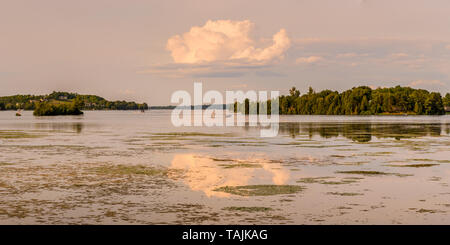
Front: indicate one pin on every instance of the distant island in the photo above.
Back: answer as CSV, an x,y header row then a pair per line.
x,y
56,108
361,100
64,103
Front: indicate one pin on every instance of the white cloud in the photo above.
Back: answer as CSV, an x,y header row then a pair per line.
x,y
225,40
308,60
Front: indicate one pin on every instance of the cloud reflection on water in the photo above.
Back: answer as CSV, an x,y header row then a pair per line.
x,y
204,173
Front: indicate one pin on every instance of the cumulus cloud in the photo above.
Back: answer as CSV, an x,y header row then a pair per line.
x,y
308,60
225,40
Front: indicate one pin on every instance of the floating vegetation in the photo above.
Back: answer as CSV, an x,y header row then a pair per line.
x,y
338,182
260,190
291,143
3,185
323,181
277,218
286,200
421,159
346,149
108,175
345,194
17,135
443,161
362,172
434,178
343,207
431,211
352,178
378,153
311,180
130,170
18,212
424,165
110,214
371,173
357,163
338,156
248,209
222,159
241,165
191,213
321,146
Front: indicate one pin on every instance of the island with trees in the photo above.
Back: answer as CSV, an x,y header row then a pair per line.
x,y
361,100
64,103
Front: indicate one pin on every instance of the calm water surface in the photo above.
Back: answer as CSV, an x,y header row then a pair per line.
x,y
111,167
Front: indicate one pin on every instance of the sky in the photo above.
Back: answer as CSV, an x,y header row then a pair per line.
x,y
146,50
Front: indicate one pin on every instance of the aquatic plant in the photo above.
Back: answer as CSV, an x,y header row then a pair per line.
x,y
130,170
248,209
260,190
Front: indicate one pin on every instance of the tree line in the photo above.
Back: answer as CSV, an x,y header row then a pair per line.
x,y
87,102
361,100
55,109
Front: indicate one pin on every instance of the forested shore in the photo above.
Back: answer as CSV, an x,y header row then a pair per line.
x,y
65,99
361,100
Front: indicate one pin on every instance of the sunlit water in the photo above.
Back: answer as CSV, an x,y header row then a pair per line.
x,y
351,170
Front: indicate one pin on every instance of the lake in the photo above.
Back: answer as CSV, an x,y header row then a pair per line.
x,y
124,167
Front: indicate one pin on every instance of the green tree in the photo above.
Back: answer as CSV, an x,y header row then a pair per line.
x,y
446,100
294,92
363,101
433,104
418,109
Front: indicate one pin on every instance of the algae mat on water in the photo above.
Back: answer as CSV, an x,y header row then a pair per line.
x,y
248,209
260,190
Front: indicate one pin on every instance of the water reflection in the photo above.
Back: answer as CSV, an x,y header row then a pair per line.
x,y
363,132
76,127
205,173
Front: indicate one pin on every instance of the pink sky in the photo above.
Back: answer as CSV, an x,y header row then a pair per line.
x,y
145,50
